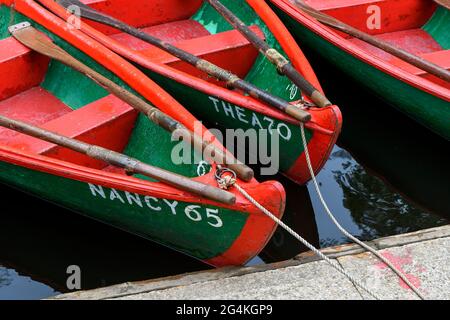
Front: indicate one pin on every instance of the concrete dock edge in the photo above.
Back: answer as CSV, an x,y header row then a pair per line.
x,y
424,256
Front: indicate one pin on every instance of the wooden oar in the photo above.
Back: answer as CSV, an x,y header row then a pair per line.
x,y
131,165
444,3
283,65
211,69
37,41
400,53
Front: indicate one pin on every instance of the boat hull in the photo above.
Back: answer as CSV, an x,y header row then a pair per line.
x,y
426,108
206,232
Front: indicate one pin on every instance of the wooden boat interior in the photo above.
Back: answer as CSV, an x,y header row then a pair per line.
x,y
48,94
417,26
183,24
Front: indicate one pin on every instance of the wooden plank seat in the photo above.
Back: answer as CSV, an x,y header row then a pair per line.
x,y
107,122
228,49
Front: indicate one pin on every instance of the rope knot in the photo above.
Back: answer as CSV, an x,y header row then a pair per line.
x,y
225,177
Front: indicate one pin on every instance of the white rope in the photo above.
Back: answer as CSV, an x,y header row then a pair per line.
x,y
332,263
230,180
345,232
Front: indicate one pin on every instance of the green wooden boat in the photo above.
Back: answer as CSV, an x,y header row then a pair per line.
x,y
417,26
50,95
193,25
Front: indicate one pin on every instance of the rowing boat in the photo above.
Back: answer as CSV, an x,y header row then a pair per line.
x,y
45,93
199,29
419,27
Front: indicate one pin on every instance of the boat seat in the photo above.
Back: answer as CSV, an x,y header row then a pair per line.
x,y
25,69
35,106
417,42
395,15
228,49
171,32
146,13
441,58
107,122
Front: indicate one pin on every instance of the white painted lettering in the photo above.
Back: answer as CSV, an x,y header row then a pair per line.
x,y
172,205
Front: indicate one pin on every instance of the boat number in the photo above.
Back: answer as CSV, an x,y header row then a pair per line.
x,y
193,212
238,113
201,168
293,90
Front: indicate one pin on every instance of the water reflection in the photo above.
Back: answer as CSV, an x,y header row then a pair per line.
x,y
407,157
41,244
393,173
375,208
5,277
299,215
15,286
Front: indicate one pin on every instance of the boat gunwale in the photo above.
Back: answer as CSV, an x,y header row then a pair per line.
x,y
329,35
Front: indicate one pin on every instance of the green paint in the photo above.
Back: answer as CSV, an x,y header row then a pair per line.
x,y
439,27
203,107
149,142
130,212
133,213
425,108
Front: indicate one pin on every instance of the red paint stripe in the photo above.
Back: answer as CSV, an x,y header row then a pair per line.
x,y
35,106
169,32
146,13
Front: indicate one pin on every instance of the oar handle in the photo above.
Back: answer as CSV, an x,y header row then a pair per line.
x,y
37,41
131,165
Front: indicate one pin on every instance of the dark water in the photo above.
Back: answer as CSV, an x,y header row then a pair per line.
x,y
387,176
